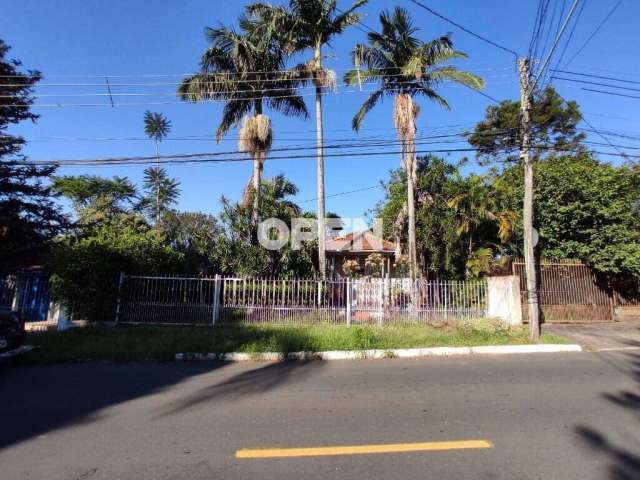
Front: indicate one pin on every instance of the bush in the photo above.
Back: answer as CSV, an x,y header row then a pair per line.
x,y
86,269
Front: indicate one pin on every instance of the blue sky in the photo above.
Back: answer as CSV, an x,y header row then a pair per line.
x,y
72,40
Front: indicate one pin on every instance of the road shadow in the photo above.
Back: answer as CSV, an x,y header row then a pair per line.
x,y
624,460
256,381
35,400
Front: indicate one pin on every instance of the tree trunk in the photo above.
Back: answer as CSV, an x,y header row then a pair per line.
x,y
157,183
322,261
256,177
411,210
411,184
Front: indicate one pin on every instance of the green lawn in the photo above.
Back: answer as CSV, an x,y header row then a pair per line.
x,y
157,343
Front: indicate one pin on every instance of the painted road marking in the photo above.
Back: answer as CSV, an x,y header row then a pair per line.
x,y
361,449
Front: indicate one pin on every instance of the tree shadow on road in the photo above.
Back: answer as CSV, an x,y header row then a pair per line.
x,y
35,400
256,381
624,459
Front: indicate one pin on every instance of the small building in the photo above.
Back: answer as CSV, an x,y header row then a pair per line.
x,y
356,247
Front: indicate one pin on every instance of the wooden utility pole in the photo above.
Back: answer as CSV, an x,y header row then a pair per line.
x,y
527,210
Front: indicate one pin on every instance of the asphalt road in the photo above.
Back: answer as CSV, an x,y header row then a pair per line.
x,y
549,416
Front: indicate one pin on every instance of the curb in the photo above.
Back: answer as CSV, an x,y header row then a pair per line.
x,y
391,353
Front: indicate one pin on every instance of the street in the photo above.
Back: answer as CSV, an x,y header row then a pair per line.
x,y
543,416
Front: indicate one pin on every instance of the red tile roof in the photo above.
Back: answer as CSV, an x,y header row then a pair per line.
x,y
359,242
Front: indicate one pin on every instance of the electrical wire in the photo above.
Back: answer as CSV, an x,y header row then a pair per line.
x,y
478,36
545,63
602,77
595,32
596,83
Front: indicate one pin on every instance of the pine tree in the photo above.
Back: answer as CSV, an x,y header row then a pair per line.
x,y
28,215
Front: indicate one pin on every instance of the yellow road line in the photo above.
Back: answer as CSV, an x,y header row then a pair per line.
x,y
361,449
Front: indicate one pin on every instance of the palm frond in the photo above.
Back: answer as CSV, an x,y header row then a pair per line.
x,y
366,107
233,112
457,76
288,104
432,95
156,126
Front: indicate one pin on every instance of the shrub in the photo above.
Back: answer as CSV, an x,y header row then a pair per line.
x,y
86,269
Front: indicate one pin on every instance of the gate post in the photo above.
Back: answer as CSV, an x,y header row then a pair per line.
x,y
119,302
503,299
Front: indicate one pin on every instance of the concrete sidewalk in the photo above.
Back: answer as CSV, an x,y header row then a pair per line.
x,y
600,336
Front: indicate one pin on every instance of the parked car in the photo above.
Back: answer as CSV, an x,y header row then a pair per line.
x,y
12,332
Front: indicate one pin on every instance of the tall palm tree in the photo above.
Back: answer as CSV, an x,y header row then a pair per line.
x,y
157,127
405,67
309,25
246,70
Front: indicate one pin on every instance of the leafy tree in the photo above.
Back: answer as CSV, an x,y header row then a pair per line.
x,y
405,68
584,208
310,25
439,246
157,127
29,216
246,69
199,237
479,209
554,127
111,236
462,222
245,257
97,199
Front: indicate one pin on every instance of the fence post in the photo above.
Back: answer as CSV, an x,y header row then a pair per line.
x,y
216,300
16,303
348,313
381,284
119,301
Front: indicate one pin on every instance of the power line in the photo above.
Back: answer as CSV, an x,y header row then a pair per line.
x,y
480,37
173,94
571,33
537,28
596,83
595,32
602,77
198,158
217,82
210,137
367,144
340,194
213,100
554,46
610,93
194,158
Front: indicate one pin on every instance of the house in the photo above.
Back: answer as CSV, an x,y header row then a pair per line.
x,y
357,247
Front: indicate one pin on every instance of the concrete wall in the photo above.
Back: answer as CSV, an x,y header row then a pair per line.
x,y
503,296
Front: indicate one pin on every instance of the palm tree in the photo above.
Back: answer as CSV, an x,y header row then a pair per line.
x,y
309,25
246,70
166,191
276,192
405,67
157,127
475,206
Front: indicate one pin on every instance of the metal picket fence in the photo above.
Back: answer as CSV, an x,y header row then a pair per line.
x,y
272,301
